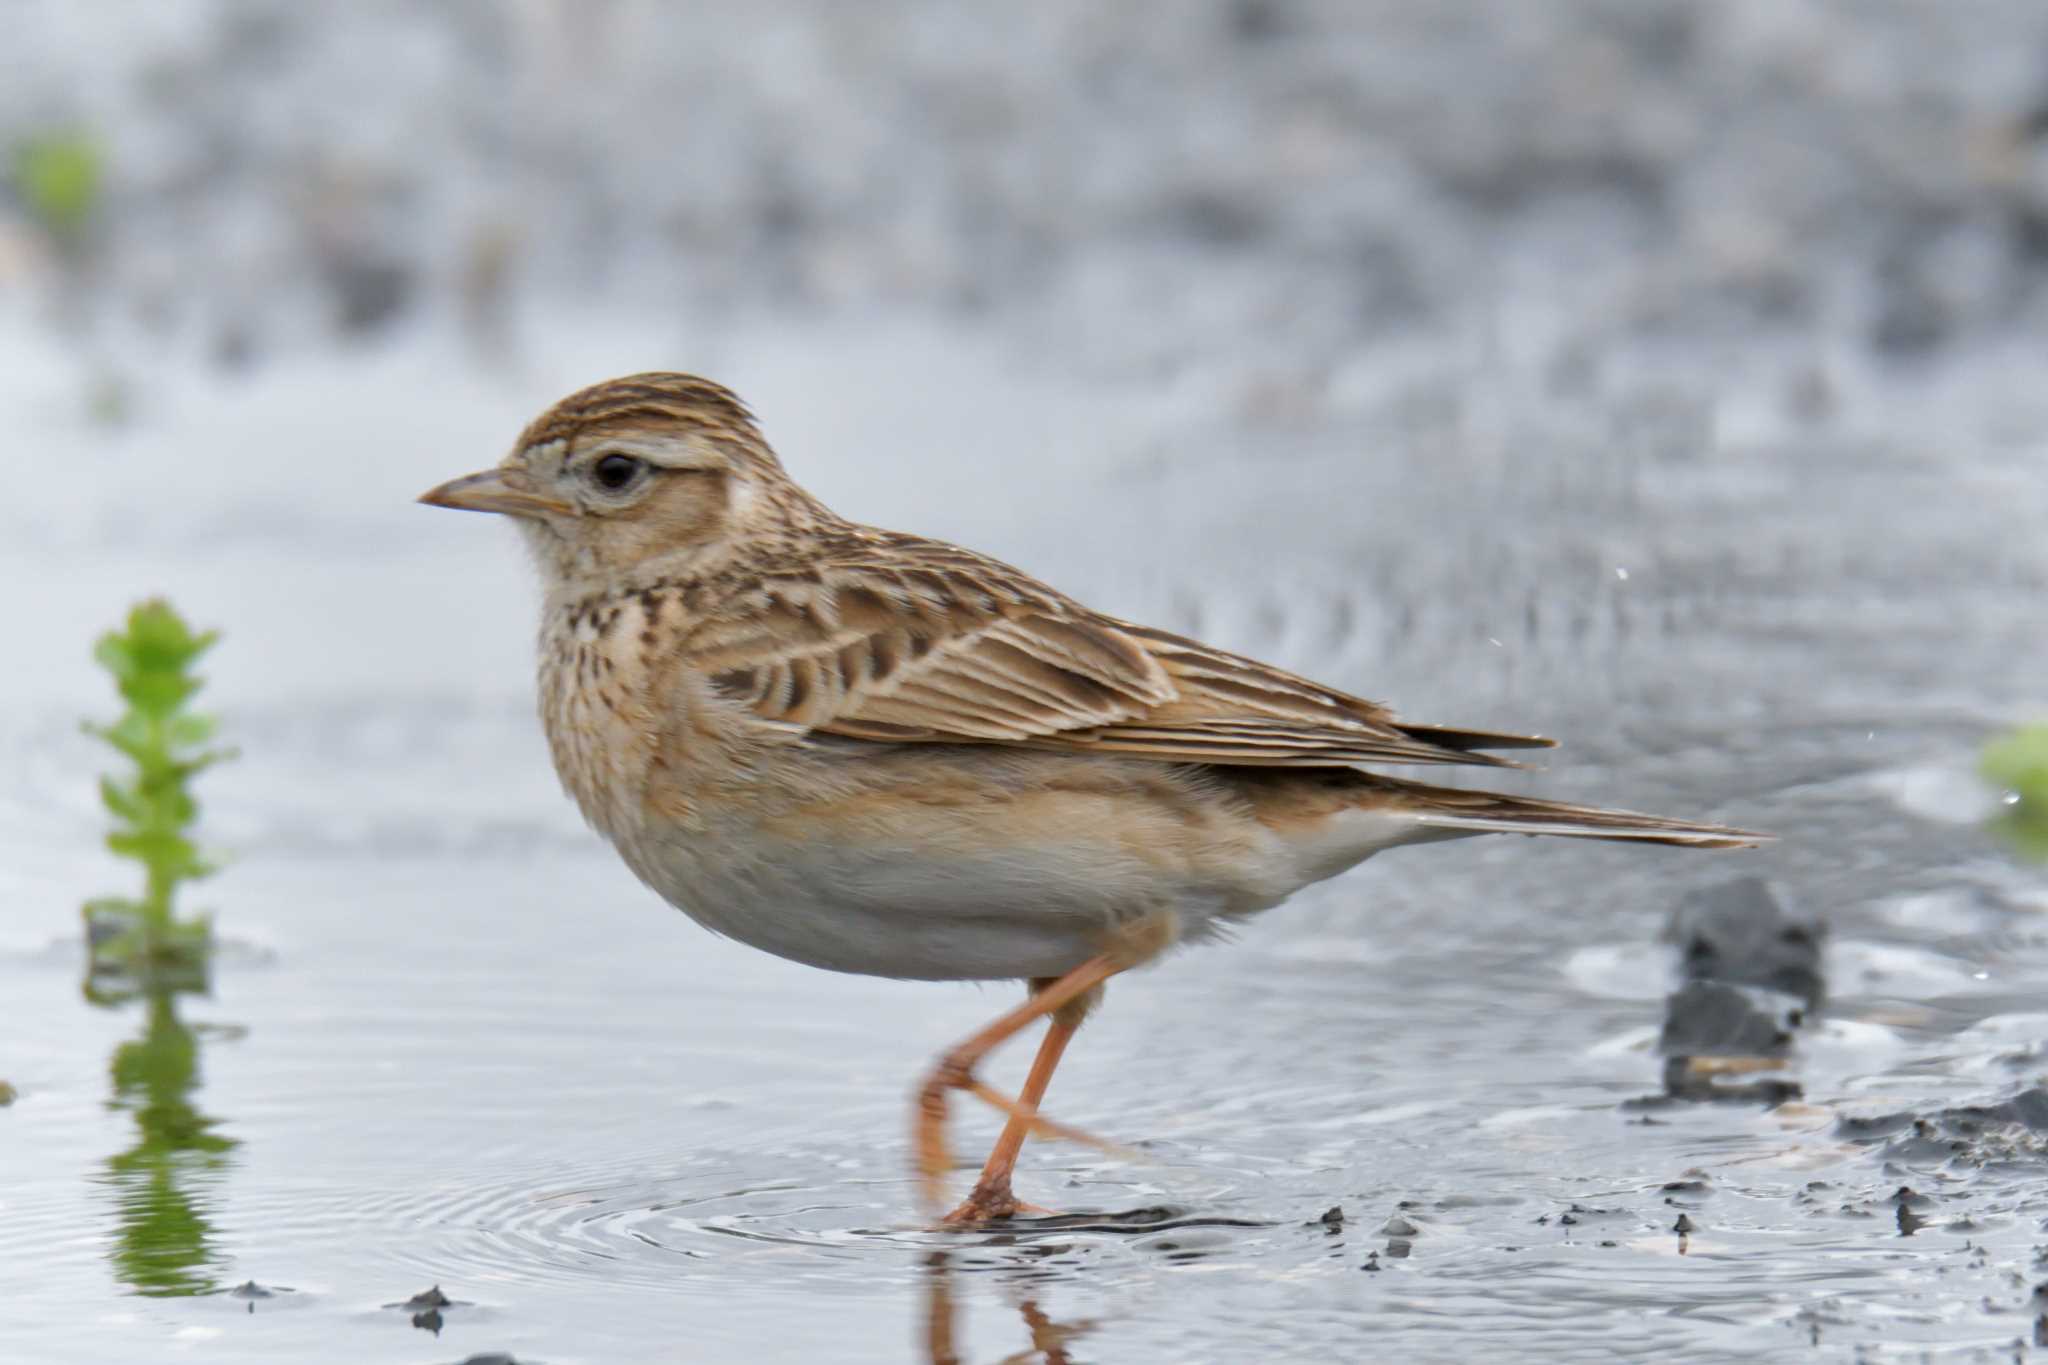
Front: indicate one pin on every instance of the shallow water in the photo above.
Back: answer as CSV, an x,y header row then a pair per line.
x,y
1662,376
451,1043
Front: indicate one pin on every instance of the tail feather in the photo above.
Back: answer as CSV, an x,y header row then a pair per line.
x,y
1450,808
1466,741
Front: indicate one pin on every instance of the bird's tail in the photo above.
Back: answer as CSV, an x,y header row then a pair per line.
x,y
1455,811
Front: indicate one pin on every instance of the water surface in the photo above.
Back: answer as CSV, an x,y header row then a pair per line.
x,y
452,1044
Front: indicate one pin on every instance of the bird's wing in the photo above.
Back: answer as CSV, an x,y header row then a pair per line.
x,y
904,640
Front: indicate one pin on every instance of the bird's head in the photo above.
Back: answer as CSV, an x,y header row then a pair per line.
x,y
641,473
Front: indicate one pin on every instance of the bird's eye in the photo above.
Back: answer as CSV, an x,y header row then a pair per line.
x,y
614,472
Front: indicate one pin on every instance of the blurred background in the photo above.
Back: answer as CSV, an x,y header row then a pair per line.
x,y
1665,376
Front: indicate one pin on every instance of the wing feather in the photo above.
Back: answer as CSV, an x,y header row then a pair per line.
x,y
897,639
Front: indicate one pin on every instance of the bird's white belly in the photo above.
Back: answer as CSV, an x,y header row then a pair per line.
x,y
1020,911
937,864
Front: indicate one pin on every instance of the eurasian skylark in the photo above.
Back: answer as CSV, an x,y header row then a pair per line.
x,y
876,753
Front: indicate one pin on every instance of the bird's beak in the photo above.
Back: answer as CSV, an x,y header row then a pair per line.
x,y
497,490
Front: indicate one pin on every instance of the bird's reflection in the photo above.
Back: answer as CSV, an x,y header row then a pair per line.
x,y
1049,1339
163,1184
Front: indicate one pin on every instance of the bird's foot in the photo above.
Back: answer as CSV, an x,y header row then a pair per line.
x,y
934,1157
990,1203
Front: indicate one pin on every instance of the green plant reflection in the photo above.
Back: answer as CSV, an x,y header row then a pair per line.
x,y
162,1185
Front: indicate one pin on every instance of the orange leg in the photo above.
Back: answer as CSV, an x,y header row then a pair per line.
x,y
955,1071
991,1197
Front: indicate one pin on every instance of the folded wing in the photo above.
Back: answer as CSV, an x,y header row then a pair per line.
x,y
897,639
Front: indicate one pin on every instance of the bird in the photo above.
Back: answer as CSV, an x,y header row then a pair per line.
x,y
878,753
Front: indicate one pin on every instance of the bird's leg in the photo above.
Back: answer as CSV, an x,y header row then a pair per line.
x,y
991,1197
955,1071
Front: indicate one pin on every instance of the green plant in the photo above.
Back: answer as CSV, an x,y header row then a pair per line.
x,y
153,807
2019,763
58,174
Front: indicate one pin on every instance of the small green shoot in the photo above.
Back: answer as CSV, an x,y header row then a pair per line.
x,y
2019,764
153,807
58,175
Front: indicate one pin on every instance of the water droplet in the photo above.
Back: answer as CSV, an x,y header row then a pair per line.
x,y
1621,573
1495,643
2010,798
